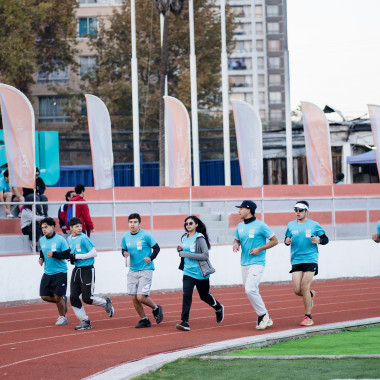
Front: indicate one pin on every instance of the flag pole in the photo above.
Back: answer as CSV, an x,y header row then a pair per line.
x,y
114,230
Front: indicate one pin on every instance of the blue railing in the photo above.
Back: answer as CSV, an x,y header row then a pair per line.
x,y
211,173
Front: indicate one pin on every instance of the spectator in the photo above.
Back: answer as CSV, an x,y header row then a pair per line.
x,y
40,196
27,223
339,179
7,196
81,211
62,211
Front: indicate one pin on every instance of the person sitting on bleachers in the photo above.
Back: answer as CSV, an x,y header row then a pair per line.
x,y
40,196
62,212
6,194
27,223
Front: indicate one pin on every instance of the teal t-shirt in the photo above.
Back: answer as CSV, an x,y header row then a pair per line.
x,y
56,244
302,250
139,246
191,267
80,245
253,235
4,186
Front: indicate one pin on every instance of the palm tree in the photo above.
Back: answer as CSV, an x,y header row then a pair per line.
x,y
165,7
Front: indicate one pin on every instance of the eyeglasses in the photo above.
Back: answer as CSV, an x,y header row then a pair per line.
x,y
296,209
189,223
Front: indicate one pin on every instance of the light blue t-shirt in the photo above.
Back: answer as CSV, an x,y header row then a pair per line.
x,y
56,244
4,186
139,246
79,245
191,267
378,227
302,250
253,235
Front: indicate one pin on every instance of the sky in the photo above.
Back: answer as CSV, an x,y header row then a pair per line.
x,y
334,54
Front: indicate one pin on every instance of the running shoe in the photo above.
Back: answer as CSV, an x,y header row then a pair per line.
x,y
145,322
61,321
11,216
183,326
307,321
109,308
158,314
65,301
84,325
313,293
220,314
263,321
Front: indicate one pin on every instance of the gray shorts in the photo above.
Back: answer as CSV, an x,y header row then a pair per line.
x,y
139,282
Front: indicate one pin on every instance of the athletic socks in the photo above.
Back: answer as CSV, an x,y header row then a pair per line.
x,y
308,315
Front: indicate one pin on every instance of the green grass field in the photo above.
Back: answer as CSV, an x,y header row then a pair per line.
x,y
350,342
363,341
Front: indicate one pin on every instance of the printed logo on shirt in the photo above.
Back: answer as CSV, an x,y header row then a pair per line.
x,y
139,245
251,233
308,233
295,232
78,248
192,247
54,247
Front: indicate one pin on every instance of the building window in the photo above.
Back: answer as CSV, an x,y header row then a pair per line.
x,y
237,64
273,45
261,80
274,62
51,110
238,11
260,62
273,11
262,97
88,26
259,28
274,79
86,65
259,45
258,10
273,27
275,115
275,98
56,77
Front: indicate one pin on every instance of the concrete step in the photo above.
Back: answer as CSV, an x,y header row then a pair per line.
x,y
195,210
210,217
215,225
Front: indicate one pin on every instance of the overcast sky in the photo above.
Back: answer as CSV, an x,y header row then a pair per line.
x,y
334,49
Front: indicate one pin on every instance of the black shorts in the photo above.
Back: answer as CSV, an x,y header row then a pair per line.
x,y
53,284
305,267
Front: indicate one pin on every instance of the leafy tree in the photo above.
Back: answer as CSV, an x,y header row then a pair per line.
x,y
35,35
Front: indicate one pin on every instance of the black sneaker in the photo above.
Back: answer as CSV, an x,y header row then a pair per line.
x,y
84,325
143,323
158,314
65,301
183,326
109,308
220,314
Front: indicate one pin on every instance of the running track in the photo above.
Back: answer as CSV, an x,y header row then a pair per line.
x,y
32,347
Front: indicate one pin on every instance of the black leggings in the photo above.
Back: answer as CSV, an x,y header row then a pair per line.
x,y
28,230
203,287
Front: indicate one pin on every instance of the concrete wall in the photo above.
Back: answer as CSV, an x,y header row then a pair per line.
x,y
20,275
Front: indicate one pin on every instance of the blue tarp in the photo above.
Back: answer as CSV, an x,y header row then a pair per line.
x,y
364,158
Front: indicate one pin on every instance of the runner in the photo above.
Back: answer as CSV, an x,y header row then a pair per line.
x,y
196,270
252,235
303,235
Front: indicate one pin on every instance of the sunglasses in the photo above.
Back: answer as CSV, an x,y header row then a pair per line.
x,y
296,209
189,223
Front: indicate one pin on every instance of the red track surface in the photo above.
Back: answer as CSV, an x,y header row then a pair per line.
x,y
32,347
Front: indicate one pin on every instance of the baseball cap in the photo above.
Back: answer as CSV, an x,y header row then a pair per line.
x,y
249,205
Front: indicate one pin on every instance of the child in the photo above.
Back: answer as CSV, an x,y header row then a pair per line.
x,y
83,255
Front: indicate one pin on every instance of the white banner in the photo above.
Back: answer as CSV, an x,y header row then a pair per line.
x,y
177,124
250,143
317,144
99,126
19,136
374,114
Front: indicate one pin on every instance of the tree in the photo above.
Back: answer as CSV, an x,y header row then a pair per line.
x,y
35,35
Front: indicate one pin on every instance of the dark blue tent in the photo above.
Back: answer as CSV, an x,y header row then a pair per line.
x,y
364,158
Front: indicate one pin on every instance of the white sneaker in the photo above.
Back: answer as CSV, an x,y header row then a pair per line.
x,y
61,321
11,216
264,322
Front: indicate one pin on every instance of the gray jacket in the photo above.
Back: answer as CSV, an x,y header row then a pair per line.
x,y
201,255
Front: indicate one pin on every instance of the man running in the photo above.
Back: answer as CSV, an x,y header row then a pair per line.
x,y
138,244
252,235
303,235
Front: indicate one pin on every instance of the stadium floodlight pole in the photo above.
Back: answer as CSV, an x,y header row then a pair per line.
x,y
255,68
194,98
225,100
135,99
162,20
288,123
